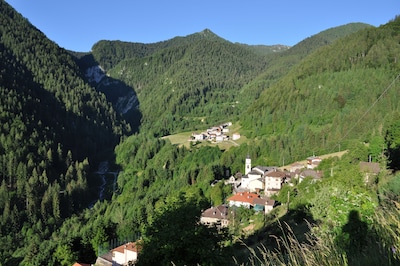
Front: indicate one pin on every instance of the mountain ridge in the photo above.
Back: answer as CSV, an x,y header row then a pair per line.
x,y
125,62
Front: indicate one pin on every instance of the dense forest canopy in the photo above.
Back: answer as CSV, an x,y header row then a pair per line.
x,y
200,79
335,90
53,128
322,98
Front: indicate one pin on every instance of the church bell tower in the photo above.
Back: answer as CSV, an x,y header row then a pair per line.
x,y
247,165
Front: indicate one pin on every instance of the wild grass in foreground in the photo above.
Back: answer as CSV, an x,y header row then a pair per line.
x,y
381,247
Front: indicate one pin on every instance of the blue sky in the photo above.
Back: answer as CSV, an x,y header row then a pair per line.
x,y
77,25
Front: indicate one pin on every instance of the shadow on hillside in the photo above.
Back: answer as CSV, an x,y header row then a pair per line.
x,y
122,96
362,245
288,240
50,123
295,224
176,238
394,158
354,233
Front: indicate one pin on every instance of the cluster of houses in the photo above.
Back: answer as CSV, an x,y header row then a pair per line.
x,y
215,134
254,189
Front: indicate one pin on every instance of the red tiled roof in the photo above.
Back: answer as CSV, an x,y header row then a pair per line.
x,y
244,197
251,198
132,246
81,264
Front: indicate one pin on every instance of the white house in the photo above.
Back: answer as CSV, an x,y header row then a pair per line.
x,y
269,205
124,254
235,136
255,185
199,136
273,182
253,179
219,138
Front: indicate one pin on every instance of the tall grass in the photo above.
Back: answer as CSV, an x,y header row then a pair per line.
x,y
387,227
382,246
291,251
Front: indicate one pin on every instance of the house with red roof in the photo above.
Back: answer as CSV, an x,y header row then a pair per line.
x,y
243,199
125,253
251,200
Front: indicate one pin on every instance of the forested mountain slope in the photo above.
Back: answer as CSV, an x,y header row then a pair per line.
x,y
181,81
279,64
109,53
53,127
161,181
198,80
295,117
327,99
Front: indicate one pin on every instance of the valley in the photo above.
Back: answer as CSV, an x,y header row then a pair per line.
x,y
124,144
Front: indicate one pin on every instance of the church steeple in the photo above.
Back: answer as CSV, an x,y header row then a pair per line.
x,y
247,165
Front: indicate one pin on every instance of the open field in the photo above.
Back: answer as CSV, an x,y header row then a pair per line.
x,y
179,139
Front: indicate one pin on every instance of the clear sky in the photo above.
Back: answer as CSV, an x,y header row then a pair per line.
x,y
78,24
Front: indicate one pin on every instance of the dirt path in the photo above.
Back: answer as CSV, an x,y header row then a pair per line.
x,y
335,154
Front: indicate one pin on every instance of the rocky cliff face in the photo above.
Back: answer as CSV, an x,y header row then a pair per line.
x,y
122,97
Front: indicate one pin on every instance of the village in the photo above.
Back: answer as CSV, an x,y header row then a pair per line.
x,y
253,189
215,134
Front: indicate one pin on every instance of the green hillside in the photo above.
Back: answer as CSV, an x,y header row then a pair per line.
x,y
279,64
335,90
54,130
326,99
109,53
266,49
198,80
161,181
178,86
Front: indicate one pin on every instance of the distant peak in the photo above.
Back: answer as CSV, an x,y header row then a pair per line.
x,y
207,32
